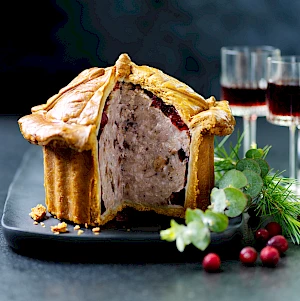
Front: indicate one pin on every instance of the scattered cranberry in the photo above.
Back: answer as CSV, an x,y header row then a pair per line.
x,y
248,255
274,228
269,256
262,235
279,242
211,262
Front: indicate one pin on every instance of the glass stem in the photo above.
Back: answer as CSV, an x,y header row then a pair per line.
x,y
249,132
293,151
298,154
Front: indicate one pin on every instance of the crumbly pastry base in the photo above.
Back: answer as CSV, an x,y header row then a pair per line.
x,y
70,185
67,127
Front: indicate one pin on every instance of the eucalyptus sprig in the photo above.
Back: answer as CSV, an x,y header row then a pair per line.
x,y
227,201
197,228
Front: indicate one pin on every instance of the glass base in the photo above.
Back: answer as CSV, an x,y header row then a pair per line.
x,y
247,111
283,120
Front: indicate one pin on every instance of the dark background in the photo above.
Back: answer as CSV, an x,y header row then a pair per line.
x,y
45,44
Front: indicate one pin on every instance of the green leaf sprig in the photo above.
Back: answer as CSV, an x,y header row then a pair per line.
x,y
227,201
276,199
197,230
240,184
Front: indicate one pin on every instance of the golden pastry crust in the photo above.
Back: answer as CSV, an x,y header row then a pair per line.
x,y
68,123
74,114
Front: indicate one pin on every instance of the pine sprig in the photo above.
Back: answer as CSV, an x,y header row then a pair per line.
x,y
280,202
225,160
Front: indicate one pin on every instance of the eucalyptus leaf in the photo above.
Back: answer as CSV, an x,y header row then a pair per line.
x,y
173,232
216,222
181,234
236,200
180,243
255,183
199,235
233,178
218,200
193,215
264,166
254,153
168,234
247,163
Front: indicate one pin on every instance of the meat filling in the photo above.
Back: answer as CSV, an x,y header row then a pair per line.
x,y
143,151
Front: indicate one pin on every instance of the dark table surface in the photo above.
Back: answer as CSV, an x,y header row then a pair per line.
x,y
25,277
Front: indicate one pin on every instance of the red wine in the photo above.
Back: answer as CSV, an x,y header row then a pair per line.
x,y
245,97
284,99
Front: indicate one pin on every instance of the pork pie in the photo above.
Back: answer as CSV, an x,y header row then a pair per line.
x,y
126,136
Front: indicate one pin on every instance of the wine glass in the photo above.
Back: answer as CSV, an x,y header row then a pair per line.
x,y
283,100
244,83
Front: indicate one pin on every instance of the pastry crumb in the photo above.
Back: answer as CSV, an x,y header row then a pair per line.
x,y
43,225
35,223
96,229
60,228
77,227
79,232
38,213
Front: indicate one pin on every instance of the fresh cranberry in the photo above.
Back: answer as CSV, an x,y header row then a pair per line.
x,y
269,256
274,228
211,262
279,242
248,255
262,235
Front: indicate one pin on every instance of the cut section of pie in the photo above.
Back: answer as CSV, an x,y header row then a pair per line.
x,y
126,136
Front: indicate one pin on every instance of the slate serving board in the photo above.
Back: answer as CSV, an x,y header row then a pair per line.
x,y
117,241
